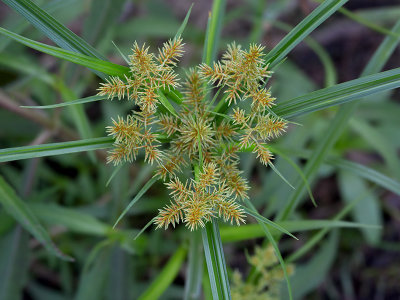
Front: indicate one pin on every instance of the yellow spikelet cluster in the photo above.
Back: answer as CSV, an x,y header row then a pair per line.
x,y
270,277
149,73
197,201
195,134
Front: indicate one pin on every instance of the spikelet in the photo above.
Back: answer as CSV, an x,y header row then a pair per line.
x,y
239,116
263,154
170,214
170,52
169,124
261,100
114,86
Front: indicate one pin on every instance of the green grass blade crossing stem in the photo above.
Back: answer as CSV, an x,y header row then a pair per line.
x,y
303,29
26,152
53,29
77,58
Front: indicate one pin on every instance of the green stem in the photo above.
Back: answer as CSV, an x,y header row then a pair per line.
x,y
195,269
215,259
214,31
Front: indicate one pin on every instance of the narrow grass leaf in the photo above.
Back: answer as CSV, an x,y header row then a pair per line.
x,y
379,143
338,124
144,228
173,95
95,252
166,276
323,55
207,291
72,219
214,27
120,53
303,29
53,29
164,101
115,171
262,219
81,122
280,175
139,195
367,173
77,58
254,231
92,281
299,171
184,23
339,94
21,212
319,235
363,21
74,102
26,152
360,170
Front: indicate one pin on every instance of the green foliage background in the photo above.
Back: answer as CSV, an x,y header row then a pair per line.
x,y
58,208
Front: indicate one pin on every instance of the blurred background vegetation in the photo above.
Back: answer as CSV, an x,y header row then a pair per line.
x,y
70,196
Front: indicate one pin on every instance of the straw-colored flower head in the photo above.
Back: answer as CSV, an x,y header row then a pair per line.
x,y
195,134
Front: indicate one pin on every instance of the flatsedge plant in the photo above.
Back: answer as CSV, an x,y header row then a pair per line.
x,y
196,135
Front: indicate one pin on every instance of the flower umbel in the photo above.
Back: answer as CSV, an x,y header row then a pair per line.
x,y
197,134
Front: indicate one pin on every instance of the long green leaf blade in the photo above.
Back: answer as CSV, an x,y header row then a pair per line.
x,y
214,28
77,58
184,23
139,195
360,170
74,102
53,29
21,212
264,220
338,124
319,235
367,173
70,218
339,94
254,231
26,152
167,275
303,29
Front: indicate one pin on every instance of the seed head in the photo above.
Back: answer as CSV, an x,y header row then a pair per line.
x,y
197,134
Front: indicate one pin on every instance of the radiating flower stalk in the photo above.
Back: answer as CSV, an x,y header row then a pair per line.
x,y
196,134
